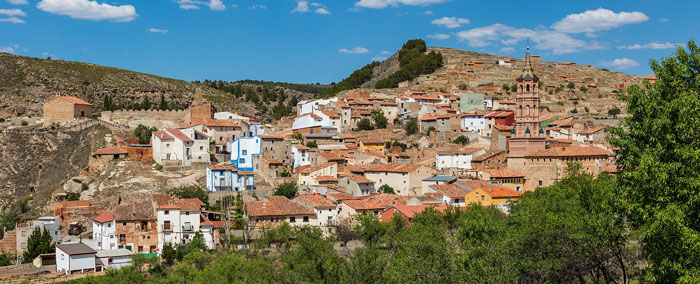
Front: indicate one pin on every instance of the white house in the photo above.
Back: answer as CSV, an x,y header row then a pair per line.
x,y
104,230
113,258
317,119
74,257
242,151
326,209
180,219
301,155
451,193
304,107
504,63
181,148
474,121
590,135
488,102
255,128
460,159
228,178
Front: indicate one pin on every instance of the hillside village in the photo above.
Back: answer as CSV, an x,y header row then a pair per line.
x,y
380,151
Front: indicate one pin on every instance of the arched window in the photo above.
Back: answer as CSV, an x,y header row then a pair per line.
x,y
528,87
527,110
520,113
521,88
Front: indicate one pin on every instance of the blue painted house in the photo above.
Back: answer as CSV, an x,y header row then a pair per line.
x,y
242,151
229,178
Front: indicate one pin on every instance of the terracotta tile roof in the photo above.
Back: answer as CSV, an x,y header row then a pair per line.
x,y
571,151
464,151
274,161
276,206
546,117
499,191
135,211
75,101
449,190
351,146
558,122
110,151
331,113
189,204
342,105
402,168
387,200
360,179
591,130
560,140
162,135
104,216
330,156
301,147
424,98
387,104
316,200
503,173
374,141
357,168
499,114
222,167
411,210
475,113
326,179
245,173
215,122
362,205
503,127
473,183
309,169
340,196
434,116
271,137
179,135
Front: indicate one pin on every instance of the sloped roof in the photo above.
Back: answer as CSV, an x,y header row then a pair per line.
x,y
110,151
571,151
76,248
215,122
316,200
104,216
276,206
499,191
308,169
449,190
75,101
179,135
135,211
464,151
330,156
502,173
162,135
591,130
403,168
360,179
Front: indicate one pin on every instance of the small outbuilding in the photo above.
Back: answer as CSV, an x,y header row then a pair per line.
x,y
113,258
64,109
74,257
110,153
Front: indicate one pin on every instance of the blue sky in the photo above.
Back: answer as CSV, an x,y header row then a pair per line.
x,y
323,41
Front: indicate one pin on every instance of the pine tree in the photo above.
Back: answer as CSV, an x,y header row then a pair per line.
x,y
163,104
39,242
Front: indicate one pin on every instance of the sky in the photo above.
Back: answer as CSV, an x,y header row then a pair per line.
x,y
325,40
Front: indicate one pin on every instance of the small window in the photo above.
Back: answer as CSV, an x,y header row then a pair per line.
x,y
24,245
244,152
293,219
167,212
540,182
306,219
24,233
241,160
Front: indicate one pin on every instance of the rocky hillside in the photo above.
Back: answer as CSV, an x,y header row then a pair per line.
x,y
27,82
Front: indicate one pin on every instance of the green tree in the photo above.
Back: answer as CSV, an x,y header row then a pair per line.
x,y
370,228
463,87
614,112
191,191
462,140
570,86
238,213
379,119
288,190
168,254
584,89
411,126
313,259
39,242
196,244
364,124
312,144
163,104
146,103
6,260
385,188
514,88
660,158
143,133
506,88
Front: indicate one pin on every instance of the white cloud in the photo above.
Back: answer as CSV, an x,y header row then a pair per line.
x,y
18,2
88,10
378,58
507,49
154,30
12,12
12,48
354,50
303,7
258,7
555,41
428,12
188,6
663,20
597,20
217,5
439,36
652,45
450,22
46,54
7,49
621,63
384,52
381,4
13,20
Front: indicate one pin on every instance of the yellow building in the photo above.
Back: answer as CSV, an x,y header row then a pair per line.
x,y
372,144
504,177
491,195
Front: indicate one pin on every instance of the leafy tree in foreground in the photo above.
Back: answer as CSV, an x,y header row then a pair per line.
x,y
614,112
660,158
380,120
313,259
143,133
39,242
364,124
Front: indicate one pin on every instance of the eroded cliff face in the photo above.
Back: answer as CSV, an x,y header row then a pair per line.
x,y
38,164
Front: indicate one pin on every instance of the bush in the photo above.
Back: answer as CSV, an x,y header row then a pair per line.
x,y
311,144
387,189
288,189
413,64
191,191
574,110
143,133
158,167
25,123
411,126
364,124
462,140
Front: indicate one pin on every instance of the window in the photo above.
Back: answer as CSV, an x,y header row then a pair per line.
x,y
244,152
292,219
241,160
166,212
24,245
63,256
167,145
306,219
201,148
540,182
482,197
187,213
24,233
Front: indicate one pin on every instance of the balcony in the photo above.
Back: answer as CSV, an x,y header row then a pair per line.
x,y
188,228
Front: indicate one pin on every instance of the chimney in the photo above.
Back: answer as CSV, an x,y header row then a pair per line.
x,y
490,189
264,205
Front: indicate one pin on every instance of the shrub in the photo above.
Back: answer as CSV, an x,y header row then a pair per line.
x,y
411,126
25,123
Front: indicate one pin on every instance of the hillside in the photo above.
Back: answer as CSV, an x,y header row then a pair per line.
x,y
26,82
458,72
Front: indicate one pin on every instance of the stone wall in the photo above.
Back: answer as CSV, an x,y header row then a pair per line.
x,y
150,118
8,244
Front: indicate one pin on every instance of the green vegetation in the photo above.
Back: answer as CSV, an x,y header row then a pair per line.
x,y
385,188
583,89
413,63
288,190
355,80
191,191
462,140
304,88
143,133
25,123
614,112
6,259
390,144
39,242
364,124
311,144
411,126
575,110
660,156
380,120
570,86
